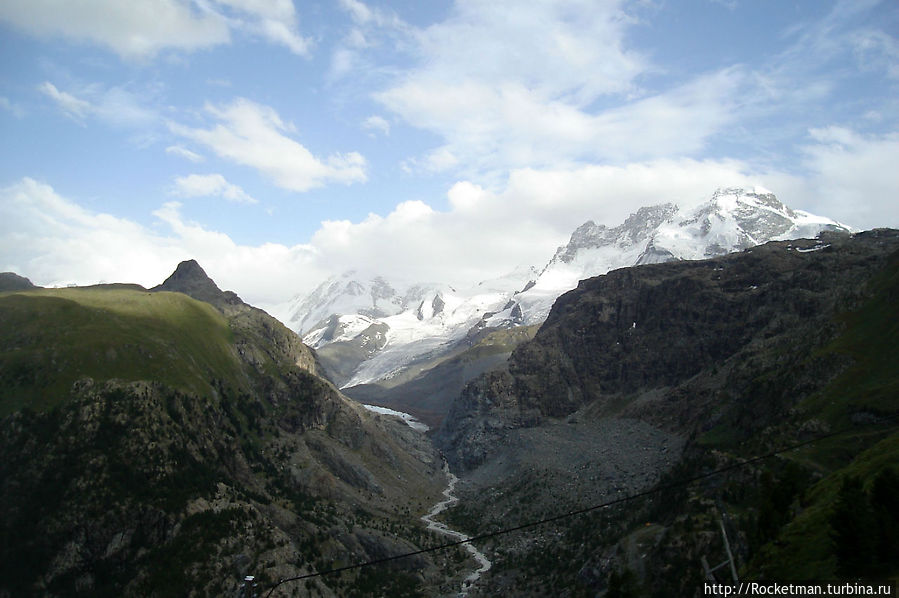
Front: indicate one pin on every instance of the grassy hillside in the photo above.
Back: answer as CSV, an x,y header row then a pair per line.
x,y
49,338
867,390
203,448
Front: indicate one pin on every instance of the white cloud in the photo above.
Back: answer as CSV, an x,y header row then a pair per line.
x,y
115,105
210,185
854,176
570,50
483,232
508,126
54,241
254,135
372,28
183,152
140,29
275,20
133,29
364,15
548,84
877,49
487,233
73,107
377,123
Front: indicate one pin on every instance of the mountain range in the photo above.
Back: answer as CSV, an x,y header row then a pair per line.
x,y
371,331
664,417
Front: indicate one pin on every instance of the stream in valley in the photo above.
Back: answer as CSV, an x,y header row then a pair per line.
x,y
449,500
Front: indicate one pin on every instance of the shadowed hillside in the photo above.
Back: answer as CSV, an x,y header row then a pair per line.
x,y
660,373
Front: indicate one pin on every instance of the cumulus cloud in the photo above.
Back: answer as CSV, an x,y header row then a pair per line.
x,y
210,185
482,232
140,29
254,135
55,241
486,233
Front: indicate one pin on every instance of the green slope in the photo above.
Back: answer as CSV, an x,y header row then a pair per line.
x,y
49,338
866,391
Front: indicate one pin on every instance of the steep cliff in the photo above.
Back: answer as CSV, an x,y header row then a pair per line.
x,y
633,341
654,375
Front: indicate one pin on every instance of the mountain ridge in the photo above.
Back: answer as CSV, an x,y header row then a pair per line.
x,y
370,332
158,445
648,376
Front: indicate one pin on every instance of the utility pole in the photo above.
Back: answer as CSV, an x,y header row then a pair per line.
x,y
710,572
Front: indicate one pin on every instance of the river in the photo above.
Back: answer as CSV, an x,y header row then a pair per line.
x,y
448,501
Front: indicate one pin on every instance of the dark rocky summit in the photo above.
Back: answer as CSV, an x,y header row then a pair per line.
x,y
10,281
190,278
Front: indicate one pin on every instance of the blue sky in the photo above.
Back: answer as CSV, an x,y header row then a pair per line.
x,y
280,142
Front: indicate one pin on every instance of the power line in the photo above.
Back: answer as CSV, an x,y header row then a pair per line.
x,y
654,490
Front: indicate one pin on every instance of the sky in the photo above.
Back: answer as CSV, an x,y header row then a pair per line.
x,y
280,143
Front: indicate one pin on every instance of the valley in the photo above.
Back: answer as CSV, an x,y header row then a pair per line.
x,y
175,437
455,299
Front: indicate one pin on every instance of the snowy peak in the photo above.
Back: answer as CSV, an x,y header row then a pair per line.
x,y
732,219
637,228
349,293
759,215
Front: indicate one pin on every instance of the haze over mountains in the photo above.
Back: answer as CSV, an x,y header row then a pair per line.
x,y
369,329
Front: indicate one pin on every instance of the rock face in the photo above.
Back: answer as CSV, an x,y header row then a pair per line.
x,y
167,448
645,334
644,402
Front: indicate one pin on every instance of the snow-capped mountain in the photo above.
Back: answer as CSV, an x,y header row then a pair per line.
x,y
376,328
733,219
370,329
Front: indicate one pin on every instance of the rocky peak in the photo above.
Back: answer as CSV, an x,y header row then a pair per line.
x,y
190,278
757,214
10,281
641,224
638,227
381,289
